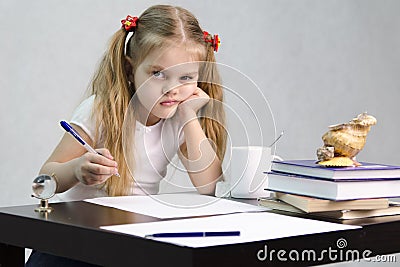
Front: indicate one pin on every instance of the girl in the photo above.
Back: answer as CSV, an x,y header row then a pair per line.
x,y
146,97
156,82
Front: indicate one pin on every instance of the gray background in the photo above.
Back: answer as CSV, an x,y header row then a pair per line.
x,y
316,62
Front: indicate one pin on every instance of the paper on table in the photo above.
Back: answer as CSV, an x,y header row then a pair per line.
x,y
180,205
252,226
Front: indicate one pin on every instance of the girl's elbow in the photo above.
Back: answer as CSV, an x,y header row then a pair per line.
x,y
206,191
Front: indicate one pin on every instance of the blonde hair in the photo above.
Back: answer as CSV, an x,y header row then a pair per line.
x,y
157,27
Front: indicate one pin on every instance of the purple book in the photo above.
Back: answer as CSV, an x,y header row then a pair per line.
x,y
312,169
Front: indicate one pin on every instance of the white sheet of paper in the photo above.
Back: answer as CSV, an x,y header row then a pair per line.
x,y
179,205
252,226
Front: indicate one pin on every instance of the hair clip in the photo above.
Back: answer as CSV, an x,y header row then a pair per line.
x,y
215,41
129,23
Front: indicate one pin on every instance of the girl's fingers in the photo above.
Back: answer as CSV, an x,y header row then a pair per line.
x,y
96,174
100,170
105,152
96,169
101,160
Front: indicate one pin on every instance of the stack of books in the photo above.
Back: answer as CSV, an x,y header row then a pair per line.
x,y
344,192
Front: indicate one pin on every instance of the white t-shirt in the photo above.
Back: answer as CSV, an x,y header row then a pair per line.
x,y
155,147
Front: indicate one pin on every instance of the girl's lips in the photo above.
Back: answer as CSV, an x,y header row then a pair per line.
x,y
169,103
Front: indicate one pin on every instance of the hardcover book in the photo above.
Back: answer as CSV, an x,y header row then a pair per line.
x,y
310,204
313,169
358,214
276,204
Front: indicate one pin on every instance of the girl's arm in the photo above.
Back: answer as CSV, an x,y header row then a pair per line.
x,y
71,163
201,161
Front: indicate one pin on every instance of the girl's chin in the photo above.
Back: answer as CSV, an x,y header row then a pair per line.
x,y
167,113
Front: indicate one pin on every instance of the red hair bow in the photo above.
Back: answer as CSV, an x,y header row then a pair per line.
x,y
215,41
129,23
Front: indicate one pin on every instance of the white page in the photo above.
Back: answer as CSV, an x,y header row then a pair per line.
x,y
252,226
175,205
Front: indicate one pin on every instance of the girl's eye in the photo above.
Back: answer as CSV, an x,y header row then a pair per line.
x,y
158,74
186,78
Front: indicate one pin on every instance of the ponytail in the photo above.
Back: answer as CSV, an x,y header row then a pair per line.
x,y
110,86
213,115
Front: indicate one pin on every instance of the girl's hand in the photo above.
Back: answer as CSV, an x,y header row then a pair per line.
x,y
92,169
188,108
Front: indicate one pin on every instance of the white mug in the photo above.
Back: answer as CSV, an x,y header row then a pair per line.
x,y
245,176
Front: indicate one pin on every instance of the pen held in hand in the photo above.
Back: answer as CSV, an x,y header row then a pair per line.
x,y
67,127
193,234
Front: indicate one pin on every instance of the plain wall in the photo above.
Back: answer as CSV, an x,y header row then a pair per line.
x,y
316,63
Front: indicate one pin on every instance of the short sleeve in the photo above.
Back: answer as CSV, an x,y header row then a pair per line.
x,y
82,116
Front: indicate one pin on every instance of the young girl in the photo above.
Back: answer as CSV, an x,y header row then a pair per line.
x,y
145,99
156,77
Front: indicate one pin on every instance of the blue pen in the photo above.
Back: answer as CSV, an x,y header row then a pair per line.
x,y
67,127
193,234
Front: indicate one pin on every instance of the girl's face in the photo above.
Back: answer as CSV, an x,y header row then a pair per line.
x,y
163,80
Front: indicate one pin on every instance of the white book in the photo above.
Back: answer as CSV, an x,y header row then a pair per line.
x,y
333,190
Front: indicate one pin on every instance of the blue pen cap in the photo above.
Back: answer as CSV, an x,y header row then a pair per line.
x,y
71,130
65,125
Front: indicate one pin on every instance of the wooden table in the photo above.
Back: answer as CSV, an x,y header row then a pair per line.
x,y
72,230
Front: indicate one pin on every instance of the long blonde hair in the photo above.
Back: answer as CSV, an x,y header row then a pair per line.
x,y
157,26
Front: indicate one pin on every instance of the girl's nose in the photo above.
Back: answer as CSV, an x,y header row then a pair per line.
x,y
170,89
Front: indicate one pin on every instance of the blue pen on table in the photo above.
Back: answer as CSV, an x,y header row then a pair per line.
x,y
67,127
193,234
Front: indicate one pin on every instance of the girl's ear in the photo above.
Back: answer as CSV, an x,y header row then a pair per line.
x,y
129,68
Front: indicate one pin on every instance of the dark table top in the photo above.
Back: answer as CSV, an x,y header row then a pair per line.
x,y
72,230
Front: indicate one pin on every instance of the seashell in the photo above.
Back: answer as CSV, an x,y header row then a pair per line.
x,y
348,139
337,162
364,119
325,153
